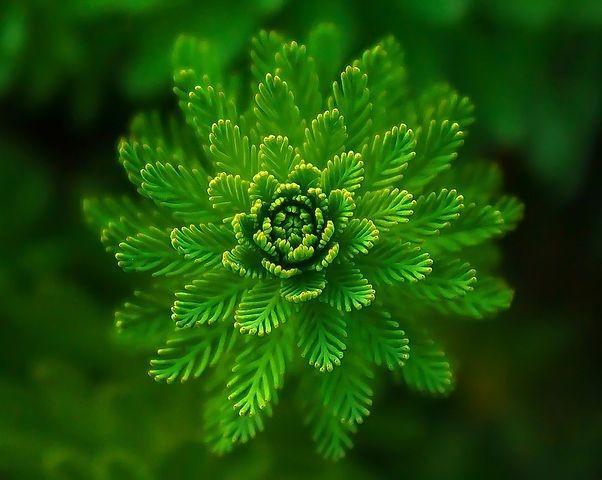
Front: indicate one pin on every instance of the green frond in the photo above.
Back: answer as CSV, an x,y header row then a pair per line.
x,y
352,98
202,103
322,335
479,181
145,316
150,250
385,66
262,309
134,156
343,171
129,224
448,280
386,344
475,225
359,237
243,261
204,244
178,189
263,187
512,210
298,70
391,262
263,54
275,110
305,174
340,208
432,213
385,158
346,392
232,152
324,138
188,353
332,436
346,288
490,295
229,194
437,145
211,298
258,372
386,208
278,157
304,287
440,102
427,370
225,428
99,212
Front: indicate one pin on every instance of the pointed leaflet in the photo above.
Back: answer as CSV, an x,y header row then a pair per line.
x,y
340,208
345,390
490,295
385,66
188,353
243,261
385,342
386,157
263,187
275,110
448,280
203,104
150,251
427,370
209,299
475,225
440,102
145,316
385,208
204,244
178,189
432,213
262,309
263,54
346,288
232,152
258,372
324,138
437,146
359,237
306,175
391,261
230,194
304,287
352,98
277,156
344,171
298,69
322,335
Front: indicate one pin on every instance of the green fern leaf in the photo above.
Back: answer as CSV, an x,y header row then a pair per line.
x,y
437,146
275,110
346,288
427,370
231,151
278,157
262,309
344,171
177,189
204,244
229,194
359,237
386,208
208,299
386,157
332,436
448,280
188,353
258,373
391,262
322,335
304,287
263,54
325,138
352,98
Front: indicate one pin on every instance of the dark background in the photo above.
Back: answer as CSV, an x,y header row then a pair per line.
x,y
74,399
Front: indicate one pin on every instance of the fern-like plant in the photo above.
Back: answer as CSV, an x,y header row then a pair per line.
x,y
320,221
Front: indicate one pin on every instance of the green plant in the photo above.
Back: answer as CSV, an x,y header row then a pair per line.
x,y
311,217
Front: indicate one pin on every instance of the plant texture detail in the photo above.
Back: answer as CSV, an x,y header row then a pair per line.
x,y
312,231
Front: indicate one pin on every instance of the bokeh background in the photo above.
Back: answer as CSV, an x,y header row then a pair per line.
x,y
74,400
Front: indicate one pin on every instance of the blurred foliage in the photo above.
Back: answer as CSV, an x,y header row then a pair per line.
x,y
527,402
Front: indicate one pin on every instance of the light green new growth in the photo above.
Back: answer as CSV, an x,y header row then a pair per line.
x,y
324,221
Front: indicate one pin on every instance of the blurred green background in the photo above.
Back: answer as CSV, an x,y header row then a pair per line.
x,y
74,399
